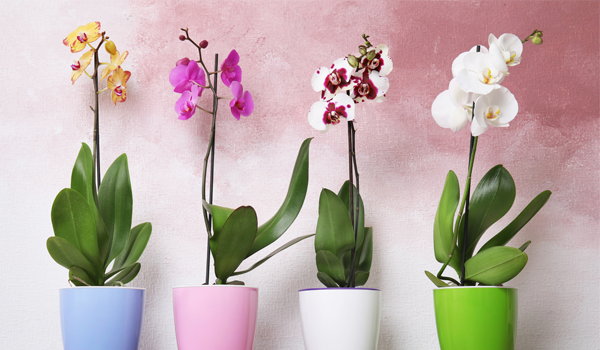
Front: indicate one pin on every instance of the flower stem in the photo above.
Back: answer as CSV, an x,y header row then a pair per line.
x,y
465,202
354,207
96,139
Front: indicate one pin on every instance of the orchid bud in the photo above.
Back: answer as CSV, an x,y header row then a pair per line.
x,y
110,47
182,37
537,39
371,55
203,44
362,49
353,61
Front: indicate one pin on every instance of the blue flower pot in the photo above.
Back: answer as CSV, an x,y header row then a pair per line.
x,y
101,318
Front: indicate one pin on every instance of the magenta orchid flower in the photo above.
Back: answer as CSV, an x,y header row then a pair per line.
x,y
242,103
186,105
186,74
369,86
331,81
230,71
323,115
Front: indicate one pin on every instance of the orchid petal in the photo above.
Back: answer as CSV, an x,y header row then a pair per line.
x,y
249,104
318,79
236,90
315,115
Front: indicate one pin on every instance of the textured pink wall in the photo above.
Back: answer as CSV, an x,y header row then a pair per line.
x,y
403,156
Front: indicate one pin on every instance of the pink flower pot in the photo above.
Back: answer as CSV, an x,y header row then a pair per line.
x,y
217,317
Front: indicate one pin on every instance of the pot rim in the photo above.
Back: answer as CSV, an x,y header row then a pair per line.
x,y
102,287
475,287
215,286
337,288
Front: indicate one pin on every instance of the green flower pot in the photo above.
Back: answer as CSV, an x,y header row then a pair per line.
x,y
476,318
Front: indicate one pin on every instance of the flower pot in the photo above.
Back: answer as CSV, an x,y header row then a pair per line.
x,y
217,317
340,318
475,318
100,318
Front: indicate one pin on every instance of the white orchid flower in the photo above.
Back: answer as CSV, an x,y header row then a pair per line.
x,y
331,81
457,64
381,63
323,115
509,48
369,86
479,74
452,108
497,108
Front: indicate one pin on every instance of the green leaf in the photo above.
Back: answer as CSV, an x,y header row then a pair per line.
x,y
125,276
438,282
234,241
524,246
330,264
67,255
115,201
73,221
219,217
491,200
444,221
334,229
504,236
326,280
138,239
76,273
81,181
365,253
495,265
361,278
344,195
271,230
278,250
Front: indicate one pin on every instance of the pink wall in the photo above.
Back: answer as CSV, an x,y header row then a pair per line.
x,y
403,156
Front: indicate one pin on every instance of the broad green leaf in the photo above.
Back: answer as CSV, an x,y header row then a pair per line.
x,y
138,239
344,195
81,181
271,230
219,217
67,255
115,202
76,273
73,220
276,251
330,264
125,276
444,221
234,241
491,200
519,222
361,278
326,280
438,282
495,265
524,246
365,254
334,229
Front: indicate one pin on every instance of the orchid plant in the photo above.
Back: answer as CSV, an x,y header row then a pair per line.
x,y
344,246
475,95
233,234
92,220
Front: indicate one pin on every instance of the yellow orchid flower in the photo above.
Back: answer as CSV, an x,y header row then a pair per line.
x,y
80,66
117,83
115,62
83,35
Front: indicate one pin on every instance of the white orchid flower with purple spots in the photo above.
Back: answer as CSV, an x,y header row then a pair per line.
x,y
479,74
497,108
452,108
381,63
331,81
507,50
369,86
323,115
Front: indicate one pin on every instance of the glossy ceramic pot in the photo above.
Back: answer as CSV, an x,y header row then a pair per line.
x,y
215,317
476,318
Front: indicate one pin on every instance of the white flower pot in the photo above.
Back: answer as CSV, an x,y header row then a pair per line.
x,y
340,318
